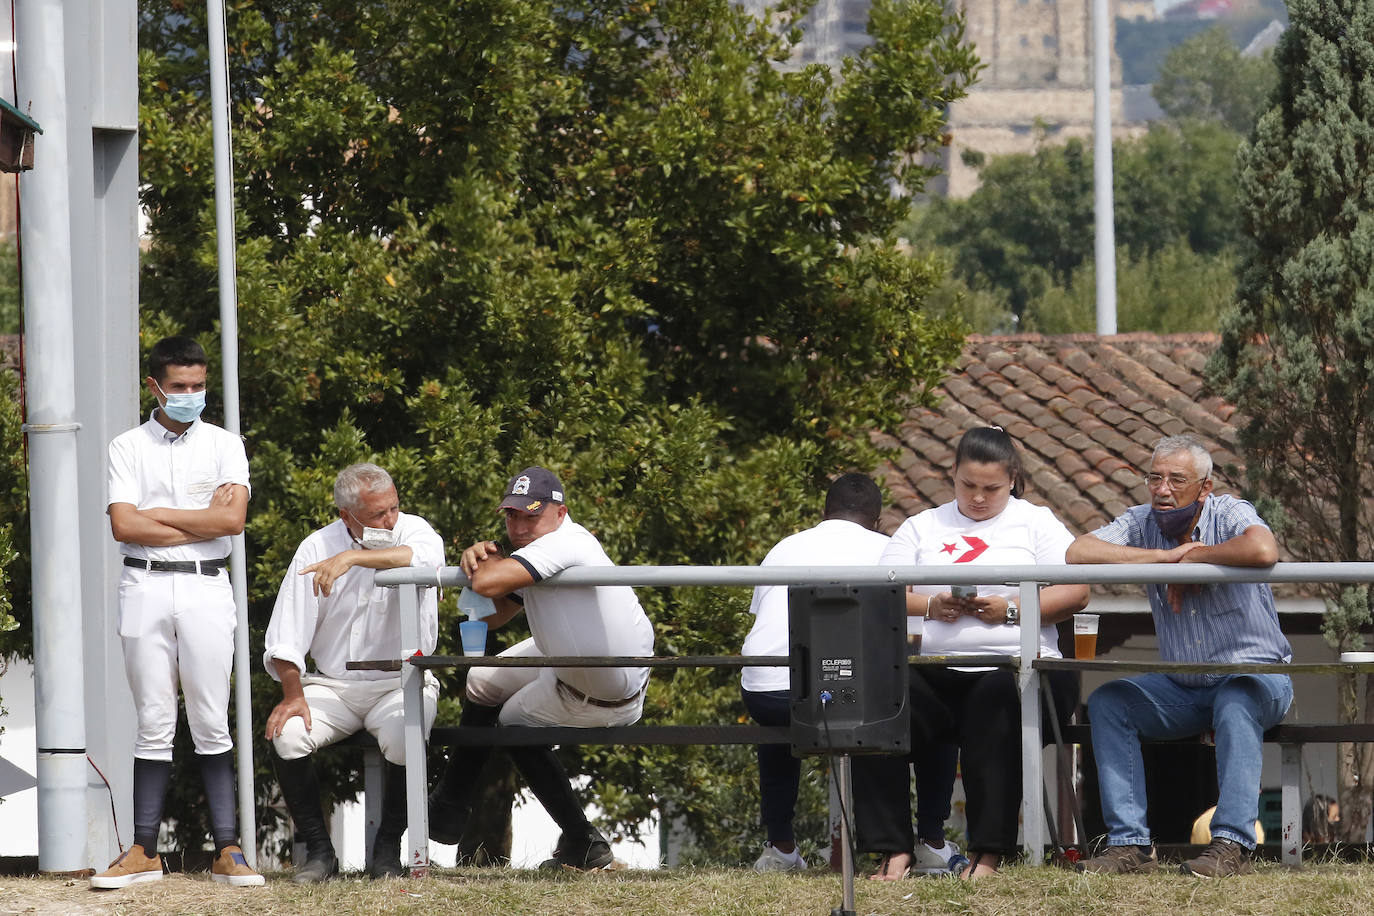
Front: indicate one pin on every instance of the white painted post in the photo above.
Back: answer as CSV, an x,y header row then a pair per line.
x,y
417,778
1290,776
1032,763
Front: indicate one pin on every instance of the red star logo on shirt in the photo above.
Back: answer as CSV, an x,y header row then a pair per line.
x,y
949,548
976,545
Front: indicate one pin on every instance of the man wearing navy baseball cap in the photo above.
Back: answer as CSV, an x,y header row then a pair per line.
x,y
563,620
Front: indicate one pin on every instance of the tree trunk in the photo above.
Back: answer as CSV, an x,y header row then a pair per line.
x,y
1356,797
487,839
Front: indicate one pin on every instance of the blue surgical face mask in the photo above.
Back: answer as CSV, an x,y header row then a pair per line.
x,y
1174,522
182,407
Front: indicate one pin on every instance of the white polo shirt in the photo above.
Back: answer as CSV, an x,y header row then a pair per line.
x,y
359,620
152,467
584,620
834,542
1020,535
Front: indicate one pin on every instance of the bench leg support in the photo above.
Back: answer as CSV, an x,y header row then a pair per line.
x,y
1291,775
372,799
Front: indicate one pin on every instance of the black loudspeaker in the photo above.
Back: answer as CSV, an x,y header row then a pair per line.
x,y
849,669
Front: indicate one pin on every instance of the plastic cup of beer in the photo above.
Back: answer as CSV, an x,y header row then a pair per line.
x,y
1085,636
474,636
915,627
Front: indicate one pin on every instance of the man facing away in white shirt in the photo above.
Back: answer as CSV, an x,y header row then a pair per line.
x,y
847,536
329,608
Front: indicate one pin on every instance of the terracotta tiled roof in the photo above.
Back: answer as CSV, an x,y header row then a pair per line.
x,y
1085,410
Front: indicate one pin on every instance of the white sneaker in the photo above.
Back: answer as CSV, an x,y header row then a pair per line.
x,y
929,860
774,860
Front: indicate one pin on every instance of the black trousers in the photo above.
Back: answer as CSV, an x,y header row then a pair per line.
x,y
980,711
779,771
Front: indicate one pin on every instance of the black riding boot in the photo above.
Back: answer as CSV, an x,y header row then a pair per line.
x,y
580,846
301,790
386,847
451,799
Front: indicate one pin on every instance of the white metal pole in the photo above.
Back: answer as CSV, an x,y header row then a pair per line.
x,y
1032,763
1105,236
59,685
417,777
844,775
229,352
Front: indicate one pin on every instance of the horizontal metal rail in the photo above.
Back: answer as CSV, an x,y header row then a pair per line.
x,y
748,576
1144,667
639,661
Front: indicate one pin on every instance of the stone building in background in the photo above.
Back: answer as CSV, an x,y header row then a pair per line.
x,y
1036,85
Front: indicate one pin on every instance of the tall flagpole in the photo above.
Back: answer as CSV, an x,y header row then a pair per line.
x,y
1105,241
229,352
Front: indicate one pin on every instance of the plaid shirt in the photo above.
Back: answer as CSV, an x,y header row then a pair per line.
x,y
1227,622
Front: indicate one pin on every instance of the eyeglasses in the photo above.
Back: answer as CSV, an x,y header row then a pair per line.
x,y
1174,481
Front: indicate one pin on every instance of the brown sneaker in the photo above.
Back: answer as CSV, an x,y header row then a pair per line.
x,y
1221,858
1121,860
231,867
132,866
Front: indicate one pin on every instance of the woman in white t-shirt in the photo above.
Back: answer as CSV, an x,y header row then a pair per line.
x,y
978,708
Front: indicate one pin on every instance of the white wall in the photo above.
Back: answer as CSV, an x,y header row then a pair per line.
x,y
19,812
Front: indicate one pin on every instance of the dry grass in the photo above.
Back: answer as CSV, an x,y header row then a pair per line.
x,y
1328,888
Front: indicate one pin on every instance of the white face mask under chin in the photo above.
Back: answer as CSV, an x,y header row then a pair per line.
x,y
374,538
377,539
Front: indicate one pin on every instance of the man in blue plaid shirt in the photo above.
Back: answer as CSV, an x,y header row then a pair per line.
x,y
1223,623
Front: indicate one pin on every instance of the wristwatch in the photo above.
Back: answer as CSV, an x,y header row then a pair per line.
x,y
1013,614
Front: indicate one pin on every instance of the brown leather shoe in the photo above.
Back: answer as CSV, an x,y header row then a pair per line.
x,y
1122,860
132,866
231,867
1220,859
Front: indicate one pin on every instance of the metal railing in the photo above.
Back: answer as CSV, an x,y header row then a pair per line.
x,y
1028,579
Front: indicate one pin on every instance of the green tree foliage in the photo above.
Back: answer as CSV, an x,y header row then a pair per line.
x,y
7,556
9,287
16,613
1145,45
14,491
1027,232
1022,244
1297,352
1172,291
1207,79
611,238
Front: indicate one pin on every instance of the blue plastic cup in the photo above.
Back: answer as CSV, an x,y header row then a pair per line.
x,y
474,636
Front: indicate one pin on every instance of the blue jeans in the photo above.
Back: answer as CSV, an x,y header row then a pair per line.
x,y
1238,708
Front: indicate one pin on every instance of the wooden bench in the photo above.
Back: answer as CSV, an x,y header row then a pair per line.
x,y
526,736
635,735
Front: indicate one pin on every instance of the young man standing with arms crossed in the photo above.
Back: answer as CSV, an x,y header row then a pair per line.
x,y
178,490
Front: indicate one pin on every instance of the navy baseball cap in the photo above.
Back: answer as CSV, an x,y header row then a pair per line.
x,y
532,490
